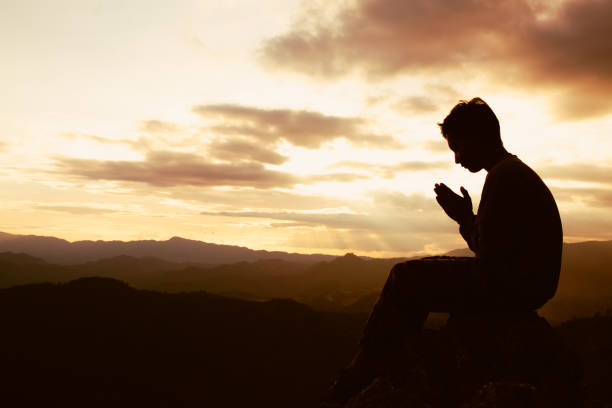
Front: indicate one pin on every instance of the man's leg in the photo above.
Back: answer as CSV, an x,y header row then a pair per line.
x,y
413,289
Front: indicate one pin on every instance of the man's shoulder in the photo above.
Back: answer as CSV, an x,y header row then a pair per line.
x,y
513,177
510,163
512,168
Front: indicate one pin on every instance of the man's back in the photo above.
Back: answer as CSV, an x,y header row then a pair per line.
x,y
517,235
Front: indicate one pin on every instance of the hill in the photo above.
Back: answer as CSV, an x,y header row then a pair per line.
x,y
98,342
324,285
175,249
347,283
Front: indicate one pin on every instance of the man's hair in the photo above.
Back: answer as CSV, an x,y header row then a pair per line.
x,y
474,120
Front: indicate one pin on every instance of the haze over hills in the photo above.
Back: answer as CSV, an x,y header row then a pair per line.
x,y
324,285
347,283
175,249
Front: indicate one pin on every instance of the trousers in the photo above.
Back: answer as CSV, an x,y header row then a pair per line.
x,y
417,287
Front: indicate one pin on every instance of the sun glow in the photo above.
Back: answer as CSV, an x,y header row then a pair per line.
x,y
131,121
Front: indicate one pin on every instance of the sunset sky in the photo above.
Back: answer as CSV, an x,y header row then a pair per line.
x,y
292,125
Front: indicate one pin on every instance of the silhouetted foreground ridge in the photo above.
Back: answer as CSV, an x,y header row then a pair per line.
x,y
489,360
99,343
96,342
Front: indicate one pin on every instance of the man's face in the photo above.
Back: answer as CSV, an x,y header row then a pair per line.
x,y
467,154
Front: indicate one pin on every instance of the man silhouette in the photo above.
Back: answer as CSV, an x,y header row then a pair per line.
x,y
516,236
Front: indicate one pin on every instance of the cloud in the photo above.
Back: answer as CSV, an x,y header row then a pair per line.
x,y
173,168
139,144
335,220
585,211
416,105
392,221
387,37
423,223
166,168
155,126
239,198
390,212
77,210
440,146
520,42
572,47
389,171
589,173
587,223
95,138
298,127
592,197
396,201
337,177
236,149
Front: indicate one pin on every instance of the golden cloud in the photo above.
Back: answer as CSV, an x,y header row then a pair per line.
x,y
589,173
237,149
298,127
166,168
512,42
389,171
173,168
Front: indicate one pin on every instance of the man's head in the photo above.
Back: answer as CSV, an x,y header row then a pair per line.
x,y
472,131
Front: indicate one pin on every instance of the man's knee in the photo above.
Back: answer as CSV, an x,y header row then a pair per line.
x,y
427,274
406,274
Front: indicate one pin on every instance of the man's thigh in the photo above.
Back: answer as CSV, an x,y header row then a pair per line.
x,y
439,284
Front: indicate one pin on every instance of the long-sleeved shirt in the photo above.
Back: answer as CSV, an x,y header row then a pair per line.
x,y
517,236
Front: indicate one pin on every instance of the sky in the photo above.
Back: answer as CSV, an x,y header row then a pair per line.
x,y
293,125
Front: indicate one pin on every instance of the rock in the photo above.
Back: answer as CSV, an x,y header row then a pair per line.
x,y
480,361
382,392
505,395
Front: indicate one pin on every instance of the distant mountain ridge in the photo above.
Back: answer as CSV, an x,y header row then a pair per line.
x,y
175,249
346,283
327,285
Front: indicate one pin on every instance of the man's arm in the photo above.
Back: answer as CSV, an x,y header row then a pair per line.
x,y
469,231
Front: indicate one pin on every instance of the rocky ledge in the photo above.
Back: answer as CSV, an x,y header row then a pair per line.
x,y
484,361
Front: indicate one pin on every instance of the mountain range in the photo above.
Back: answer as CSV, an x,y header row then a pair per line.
x,y
176,249
190,333
347,283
